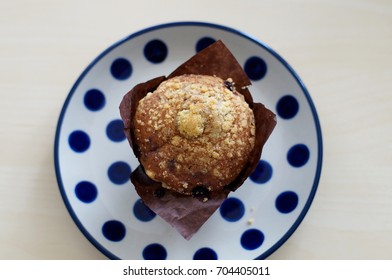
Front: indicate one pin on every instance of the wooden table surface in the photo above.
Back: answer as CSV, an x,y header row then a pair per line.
x,y
342,50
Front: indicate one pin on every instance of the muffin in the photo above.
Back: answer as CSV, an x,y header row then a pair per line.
x,y
197,134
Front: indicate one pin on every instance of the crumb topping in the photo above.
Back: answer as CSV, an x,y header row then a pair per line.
x,y
193,131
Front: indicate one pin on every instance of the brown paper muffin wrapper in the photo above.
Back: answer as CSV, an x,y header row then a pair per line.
x,y
188,213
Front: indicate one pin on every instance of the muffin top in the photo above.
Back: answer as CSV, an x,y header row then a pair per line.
x,y
194,133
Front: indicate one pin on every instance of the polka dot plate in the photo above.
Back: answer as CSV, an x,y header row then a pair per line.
x,y
93,159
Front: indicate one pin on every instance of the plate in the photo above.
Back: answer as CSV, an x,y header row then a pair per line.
x,y
93,159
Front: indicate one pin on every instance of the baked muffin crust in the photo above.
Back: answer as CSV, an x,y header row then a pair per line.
x,y
194,131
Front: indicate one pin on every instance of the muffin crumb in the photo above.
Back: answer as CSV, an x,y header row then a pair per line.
x,y
250,221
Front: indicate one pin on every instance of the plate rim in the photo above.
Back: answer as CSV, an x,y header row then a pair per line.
x,y
261,44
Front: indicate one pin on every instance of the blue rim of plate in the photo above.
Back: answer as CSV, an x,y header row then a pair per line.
x,y
313,191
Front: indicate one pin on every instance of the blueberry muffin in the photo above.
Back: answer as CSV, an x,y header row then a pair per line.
x,y
197,134
194,132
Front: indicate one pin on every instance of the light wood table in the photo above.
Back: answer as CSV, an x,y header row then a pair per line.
x,y
341,49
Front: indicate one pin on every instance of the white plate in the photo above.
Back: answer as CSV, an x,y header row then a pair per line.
x,y
93,159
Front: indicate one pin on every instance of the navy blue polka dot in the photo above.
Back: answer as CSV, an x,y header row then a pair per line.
x,y
114,230
263,172
232,209
286,202
255,68
142,212
287,107
119,172
204,43
121,69
252,239
298,155
86,191
115,131
79,141
155,51
94,100
154,251
205,254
